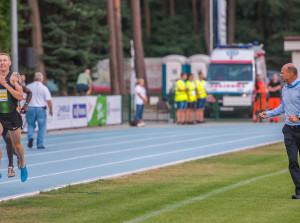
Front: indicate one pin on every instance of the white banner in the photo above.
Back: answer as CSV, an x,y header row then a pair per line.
x,y
114,110
68,112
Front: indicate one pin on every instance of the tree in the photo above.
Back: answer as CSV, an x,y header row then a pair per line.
x,y
147,19
119,44
75,38
195,16
164,7
5,26
231,21
137,41
36,36
113,61
172,8
207,26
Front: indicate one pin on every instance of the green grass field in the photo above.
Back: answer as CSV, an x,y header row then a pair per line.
x,y
248,186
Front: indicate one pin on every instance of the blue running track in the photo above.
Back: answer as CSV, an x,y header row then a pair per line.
x,y
84,156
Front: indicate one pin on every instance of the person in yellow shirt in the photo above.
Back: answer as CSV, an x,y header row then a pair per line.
x,y
181,98
201,98
192,97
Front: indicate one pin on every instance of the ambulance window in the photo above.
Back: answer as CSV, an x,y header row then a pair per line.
x,y
230,72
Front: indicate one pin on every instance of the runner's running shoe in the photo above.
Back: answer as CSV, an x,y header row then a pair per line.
x,y
24,174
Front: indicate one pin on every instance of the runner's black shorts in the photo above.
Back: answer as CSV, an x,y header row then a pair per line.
x,y
11,121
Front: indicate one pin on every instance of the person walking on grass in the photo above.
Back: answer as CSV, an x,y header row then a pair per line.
x,y
10,93
140,101
41,97
290,105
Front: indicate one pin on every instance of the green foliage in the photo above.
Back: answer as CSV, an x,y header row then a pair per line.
x,y
5,26
173,35
73,37
277,18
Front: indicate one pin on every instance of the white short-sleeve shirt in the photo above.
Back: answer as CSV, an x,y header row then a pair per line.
x,y
40,94
142,91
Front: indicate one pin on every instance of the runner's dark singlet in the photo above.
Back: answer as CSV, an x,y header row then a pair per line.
x,y
8,103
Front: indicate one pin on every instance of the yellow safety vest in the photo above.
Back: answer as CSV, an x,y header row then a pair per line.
x,y
180,95
192,91
201,88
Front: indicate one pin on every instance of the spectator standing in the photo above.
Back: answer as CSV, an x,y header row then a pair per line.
x,y
201,95
37,110
181,98
140,101
192,97
260,98
290,105
84,83
274,95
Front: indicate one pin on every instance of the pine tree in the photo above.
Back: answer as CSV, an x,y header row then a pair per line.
x,y
73,33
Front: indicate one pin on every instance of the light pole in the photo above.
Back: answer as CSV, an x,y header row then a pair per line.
x,y
14,36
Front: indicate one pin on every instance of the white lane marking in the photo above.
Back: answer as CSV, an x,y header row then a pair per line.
x,y
110,144
17,196
141,157
106,138
203,196
131,149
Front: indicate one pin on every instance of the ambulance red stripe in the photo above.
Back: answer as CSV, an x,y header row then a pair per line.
x,y
231,61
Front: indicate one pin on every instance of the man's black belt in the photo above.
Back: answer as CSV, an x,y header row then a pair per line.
x,y
295,127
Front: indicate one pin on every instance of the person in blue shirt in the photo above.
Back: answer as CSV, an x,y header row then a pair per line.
x,y
290,105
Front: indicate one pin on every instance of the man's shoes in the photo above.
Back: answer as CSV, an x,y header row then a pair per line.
x,y
24,174
41,147
11,172
30,142
296,196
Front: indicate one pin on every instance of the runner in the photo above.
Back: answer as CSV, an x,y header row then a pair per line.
x,y
10,93
10,149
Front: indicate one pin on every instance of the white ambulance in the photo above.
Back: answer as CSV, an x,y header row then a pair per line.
x,y
231,76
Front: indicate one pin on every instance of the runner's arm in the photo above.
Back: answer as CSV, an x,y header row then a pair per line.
x,y
15,80
28,99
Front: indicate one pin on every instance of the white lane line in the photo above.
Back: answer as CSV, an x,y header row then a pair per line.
x,y
106,138
17,196
131,149
203,196
111,144
142,157
107,144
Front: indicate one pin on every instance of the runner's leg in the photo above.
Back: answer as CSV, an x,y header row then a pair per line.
x,y
16,142
10,150
1,130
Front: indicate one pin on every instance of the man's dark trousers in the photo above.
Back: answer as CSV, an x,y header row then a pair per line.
x,y
292,144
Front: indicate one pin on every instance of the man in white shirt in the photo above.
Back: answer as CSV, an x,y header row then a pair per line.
x,y
140,101
37,110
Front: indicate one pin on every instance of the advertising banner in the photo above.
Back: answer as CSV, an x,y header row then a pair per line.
x,y
68,112
79,111
113,110
98,116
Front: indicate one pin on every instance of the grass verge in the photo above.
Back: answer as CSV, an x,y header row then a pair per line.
x,y
125,198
